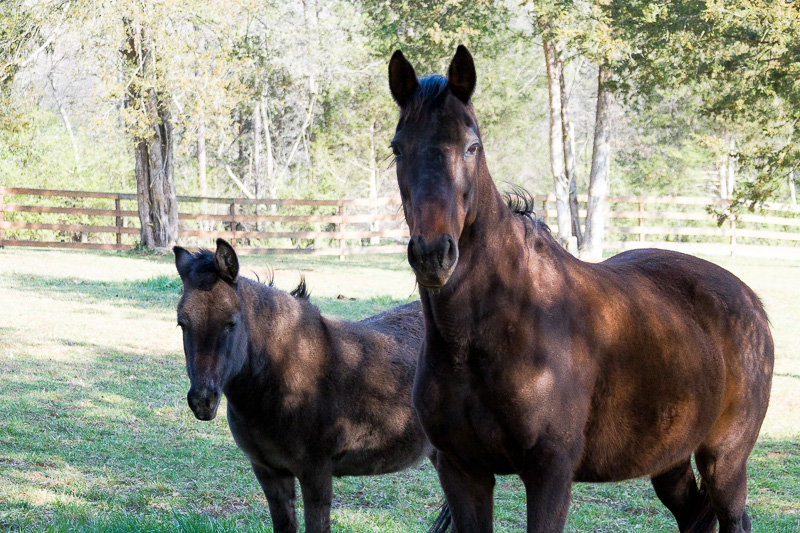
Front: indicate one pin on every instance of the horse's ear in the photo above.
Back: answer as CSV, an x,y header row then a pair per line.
x,y
461,77
402,78
227,262
183,261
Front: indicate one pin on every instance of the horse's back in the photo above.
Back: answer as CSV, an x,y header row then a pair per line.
x,y
376,359
706,292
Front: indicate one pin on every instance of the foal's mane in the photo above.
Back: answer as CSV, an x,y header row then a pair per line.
x,y
204,274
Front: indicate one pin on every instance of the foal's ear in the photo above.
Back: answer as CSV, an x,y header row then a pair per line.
x,y
227,262
461,77
183,261
402,78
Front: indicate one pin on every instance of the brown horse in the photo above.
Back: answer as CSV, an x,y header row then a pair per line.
x,y
538,364
308,397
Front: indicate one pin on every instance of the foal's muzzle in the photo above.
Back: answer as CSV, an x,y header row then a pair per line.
x,y
433,262
203,401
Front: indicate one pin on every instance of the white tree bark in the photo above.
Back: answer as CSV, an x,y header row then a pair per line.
x,y
592,248
560,183
569,156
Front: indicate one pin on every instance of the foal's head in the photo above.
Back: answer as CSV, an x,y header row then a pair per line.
x,y
439,158
209,315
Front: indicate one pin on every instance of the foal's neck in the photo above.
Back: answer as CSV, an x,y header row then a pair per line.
x,y
279,326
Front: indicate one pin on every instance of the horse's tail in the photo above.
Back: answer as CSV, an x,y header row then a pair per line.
x,y
442,522
706,520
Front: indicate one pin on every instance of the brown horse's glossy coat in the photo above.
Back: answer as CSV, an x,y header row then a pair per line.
x,y
308,397
538,364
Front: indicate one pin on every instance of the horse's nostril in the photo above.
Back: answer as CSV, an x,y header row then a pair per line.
x,y
413,251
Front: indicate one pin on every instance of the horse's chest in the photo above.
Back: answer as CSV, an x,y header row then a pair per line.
x,y
461,419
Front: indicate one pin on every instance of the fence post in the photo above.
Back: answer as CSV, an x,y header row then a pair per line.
x,y
641,222
118,207
2,219
233,221
340,228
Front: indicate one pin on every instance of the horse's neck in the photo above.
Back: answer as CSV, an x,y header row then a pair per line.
x,y
501,254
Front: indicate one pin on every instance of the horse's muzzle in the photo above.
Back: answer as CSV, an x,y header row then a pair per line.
x,y
433,262
203,402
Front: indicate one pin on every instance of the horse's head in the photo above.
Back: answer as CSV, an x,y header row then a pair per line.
x,y
439,156
209,315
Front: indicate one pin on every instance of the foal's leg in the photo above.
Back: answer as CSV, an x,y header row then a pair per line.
x,y
316,485
469,496
677,490
280,493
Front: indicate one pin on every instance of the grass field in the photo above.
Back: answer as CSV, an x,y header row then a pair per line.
x,y
95,433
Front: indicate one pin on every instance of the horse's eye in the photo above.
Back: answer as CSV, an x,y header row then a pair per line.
x,y
395,150
231,324
181,324
473,148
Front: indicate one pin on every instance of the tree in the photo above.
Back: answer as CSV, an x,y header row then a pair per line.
x,y
742,58
582,27
153,140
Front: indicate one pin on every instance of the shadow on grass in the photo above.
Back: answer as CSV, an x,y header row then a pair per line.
x,y
163,292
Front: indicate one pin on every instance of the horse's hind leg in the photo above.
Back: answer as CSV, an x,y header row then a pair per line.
x,y
677,490
724,472
281,497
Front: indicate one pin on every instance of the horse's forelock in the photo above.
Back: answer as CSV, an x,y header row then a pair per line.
x,y
430,93
203,273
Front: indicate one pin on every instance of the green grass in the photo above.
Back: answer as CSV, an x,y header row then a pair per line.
x,y
95,434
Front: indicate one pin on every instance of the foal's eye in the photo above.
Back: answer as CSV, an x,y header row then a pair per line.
x,y
473,148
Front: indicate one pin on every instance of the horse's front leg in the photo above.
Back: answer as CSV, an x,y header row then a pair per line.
x,y
316,485
280,493
547,477
469,495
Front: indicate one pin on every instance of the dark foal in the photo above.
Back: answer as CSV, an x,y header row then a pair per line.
x,y
308,397
538,364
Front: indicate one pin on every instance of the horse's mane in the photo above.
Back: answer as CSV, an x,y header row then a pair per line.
x,y
430,93
521,203
301,292
204,274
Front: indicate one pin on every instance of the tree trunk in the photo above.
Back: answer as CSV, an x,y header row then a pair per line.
x,y
731,167
257,154
592,248
272,184
373,181
791,187
155,184
560,183
65,118
569,156
202,164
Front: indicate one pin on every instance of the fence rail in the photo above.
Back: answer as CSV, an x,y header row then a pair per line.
x,y
109,221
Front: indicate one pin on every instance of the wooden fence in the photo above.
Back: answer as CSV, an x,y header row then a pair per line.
x,y
100,220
